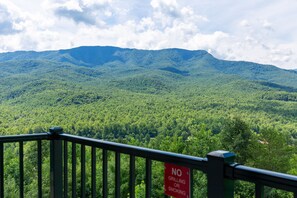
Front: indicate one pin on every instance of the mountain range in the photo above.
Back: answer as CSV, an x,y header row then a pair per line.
x,y
177,61
109,77
123,68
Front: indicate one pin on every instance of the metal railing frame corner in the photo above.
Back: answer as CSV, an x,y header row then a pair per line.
x,y
56,163
218,186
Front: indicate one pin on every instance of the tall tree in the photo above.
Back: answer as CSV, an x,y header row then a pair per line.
x,y
237,137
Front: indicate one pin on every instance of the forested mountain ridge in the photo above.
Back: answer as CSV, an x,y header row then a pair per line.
x,y
85,75
144,71
171,60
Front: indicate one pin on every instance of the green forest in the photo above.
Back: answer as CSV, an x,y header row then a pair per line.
x,y
174,100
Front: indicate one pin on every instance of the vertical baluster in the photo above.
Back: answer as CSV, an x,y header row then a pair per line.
x,y
21,168
132,177
39,168
93,154
104,169
148,178
1,170
166,196
73,170
259,190
118,175
191,182
83,171
65,169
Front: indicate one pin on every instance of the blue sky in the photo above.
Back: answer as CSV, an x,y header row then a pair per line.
x,y
256,30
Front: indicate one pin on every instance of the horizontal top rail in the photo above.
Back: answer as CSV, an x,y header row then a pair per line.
x,y
26,137
263,177
233,171
163,156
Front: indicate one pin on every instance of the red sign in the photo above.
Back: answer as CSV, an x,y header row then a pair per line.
x,y
177,181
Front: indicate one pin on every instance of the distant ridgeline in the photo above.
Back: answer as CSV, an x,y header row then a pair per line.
x,y
129,61
145,71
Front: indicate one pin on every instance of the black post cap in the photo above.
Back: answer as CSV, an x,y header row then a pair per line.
x,y
56,130
226,156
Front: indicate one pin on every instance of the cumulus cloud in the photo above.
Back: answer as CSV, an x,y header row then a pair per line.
x,y
267,25
169,7
9,23
245,23
168,13
76,15
90,12
168,25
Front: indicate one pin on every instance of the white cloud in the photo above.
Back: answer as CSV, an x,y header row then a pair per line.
x,y
9,22
244,23
96,3
167,7
90,12
267,25
208,41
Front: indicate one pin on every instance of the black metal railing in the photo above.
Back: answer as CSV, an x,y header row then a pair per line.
x,y
219,166
20,139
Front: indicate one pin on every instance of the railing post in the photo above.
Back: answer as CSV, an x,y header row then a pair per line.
x,y
56,177
218,186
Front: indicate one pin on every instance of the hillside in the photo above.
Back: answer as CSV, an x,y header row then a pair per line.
x,y
135,70
116,80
